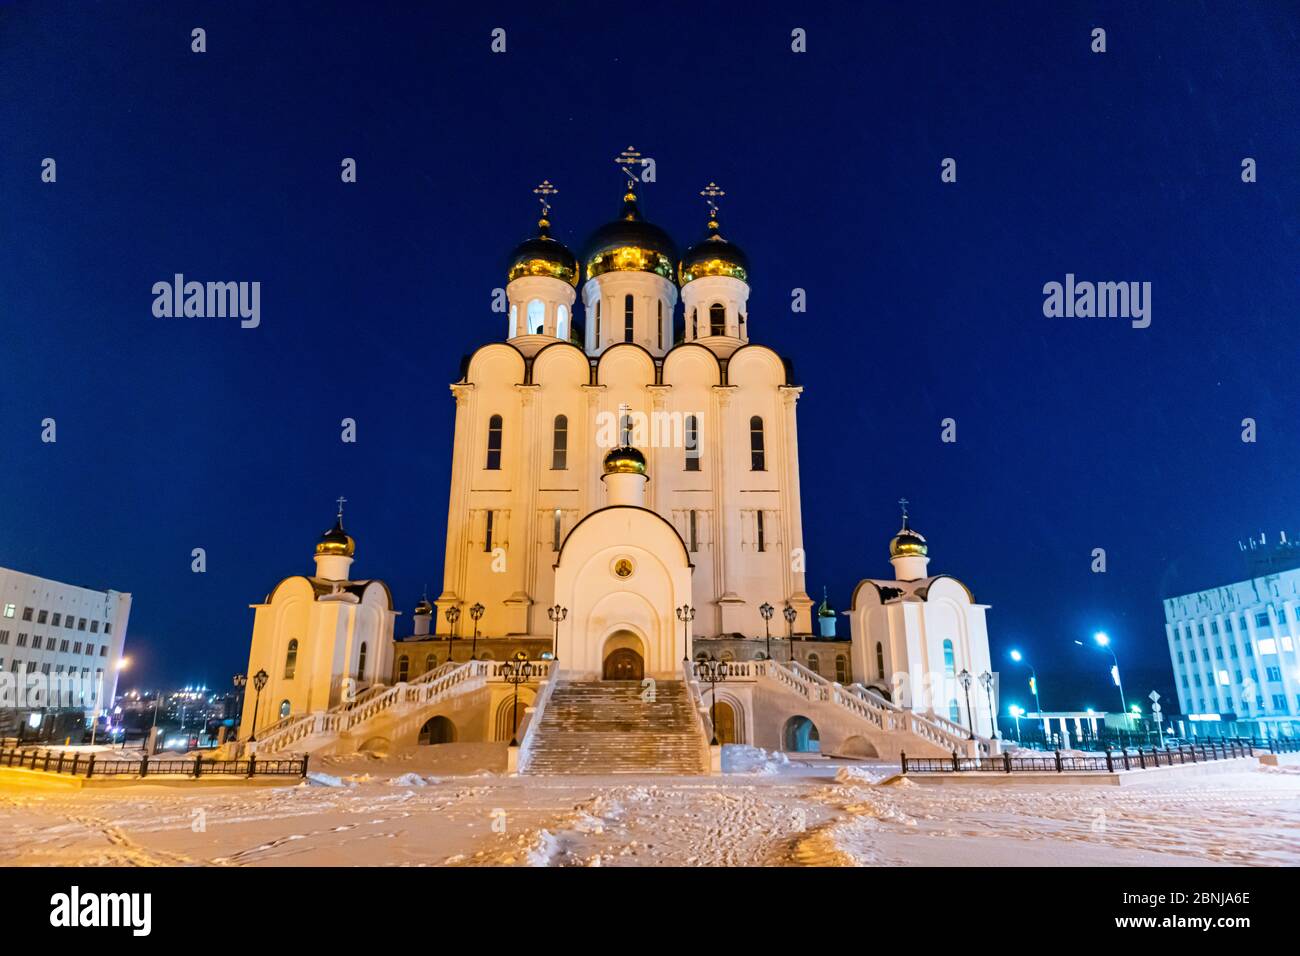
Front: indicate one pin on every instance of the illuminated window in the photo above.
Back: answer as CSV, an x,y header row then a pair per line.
x,y
661,323
627,318
514,320
562,322
596,340
1267,645
557,530
1224,680
284,709
536,316
291,660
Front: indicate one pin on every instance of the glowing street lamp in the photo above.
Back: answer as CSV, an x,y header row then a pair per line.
x,y
1019,658
1016,713
475,612
1102,640
789,615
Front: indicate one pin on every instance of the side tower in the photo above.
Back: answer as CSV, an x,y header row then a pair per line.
x,y
543,279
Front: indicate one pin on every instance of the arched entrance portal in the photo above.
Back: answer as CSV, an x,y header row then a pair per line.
x,y
624,657
801,736
438,730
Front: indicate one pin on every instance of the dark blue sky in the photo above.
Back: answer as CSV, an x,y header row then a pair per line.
x,y
925,299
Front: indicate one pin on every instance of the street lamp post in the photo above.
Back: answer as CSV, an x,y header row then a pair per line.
x,y
1033,678
789,614
714,672
556,614
686,614
1103,641
239,680
516,672
452,614
767,611
987,680
966,681
259,682
475,612
1016,714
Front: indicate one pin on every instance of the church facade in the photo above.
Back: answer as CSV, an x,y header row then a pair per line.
x,y
625,500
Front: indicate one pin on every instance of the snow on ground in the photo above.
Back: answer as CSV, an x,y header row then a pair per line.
x,y
454,805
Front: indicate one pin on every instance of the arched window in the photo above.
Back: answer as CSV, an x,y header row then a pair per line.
x,y
717,319
494,444
814,664
562,322
695,324
514,319
692,443
661,323
757,458
403,667
949,661
560,444
284,709
291,660
880,660
361,662
536,316
841,669
627,318
596,341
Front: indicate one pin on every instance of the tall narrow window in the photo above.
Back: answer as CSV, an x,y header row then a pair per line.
x,y
757,458
695,541
560,444
692,443
596,342
949,661
880,660
403,667
536,316
285,707
558,529
487,534
494,443
762,537
627,318
361,662
717,319
841,669
514,319
562,322
661,323
430,663
625,430
291,660
695,324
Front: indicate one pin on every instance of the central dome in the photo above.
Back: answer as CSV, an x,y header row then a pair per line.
x,y
908,543
336,541
630,244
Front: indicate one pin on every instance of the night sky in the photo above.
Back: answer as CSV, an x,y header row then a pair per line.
x,y
924,298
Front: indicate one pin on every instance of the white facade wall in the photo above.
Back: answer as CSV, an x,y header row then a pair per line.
x,y
1234,648
90,647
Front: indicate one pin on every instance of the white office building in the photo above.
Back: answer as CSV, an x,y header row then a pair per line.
x,y
56,638
1234,648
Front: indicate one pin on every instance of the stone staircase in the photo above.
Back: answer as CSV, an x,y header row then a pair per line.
x,y
599,727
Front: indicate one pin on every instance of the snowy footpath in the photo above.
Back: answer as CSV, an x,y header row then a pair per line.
x,y
454,806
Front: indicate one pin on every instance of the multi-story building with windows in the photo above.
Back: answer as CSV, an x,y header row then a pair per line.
x,y
1234,648
60,647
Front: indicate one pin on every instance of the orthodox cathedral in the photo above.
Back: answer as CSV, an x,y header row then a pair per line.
x,y
624,503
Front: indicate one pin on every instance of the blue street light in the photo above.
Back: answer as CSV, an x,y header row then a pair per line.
x,y
1033,676
1102,640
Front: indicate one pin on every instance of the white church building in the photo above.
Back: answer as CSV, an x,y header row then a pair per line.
x,y
624,506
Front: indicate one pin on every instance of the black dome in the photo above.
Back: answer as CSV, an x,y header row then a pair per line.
x,y
630,244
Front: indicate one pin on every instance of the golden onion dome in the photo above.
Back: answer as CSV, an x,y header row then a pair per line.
x,y
908,543
543,256
714,256
424,607
630,244
336,541
624,460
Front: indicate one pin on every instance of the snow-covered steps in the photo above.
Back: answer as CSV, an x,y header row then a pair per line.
x,y
599,727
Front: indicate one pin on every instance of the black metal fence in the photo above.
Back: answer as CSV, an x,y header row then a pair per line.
x,y
1112,760
99,765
